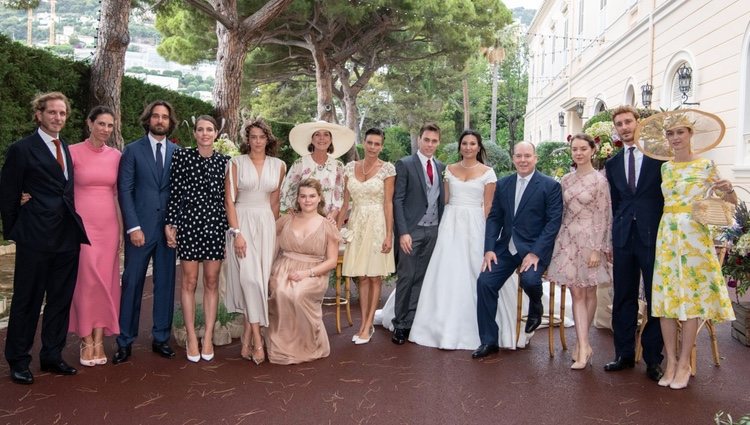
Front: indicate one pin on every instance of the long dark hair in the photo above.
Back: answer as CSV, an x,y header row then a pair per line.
x,y
271,142
482,154
146,115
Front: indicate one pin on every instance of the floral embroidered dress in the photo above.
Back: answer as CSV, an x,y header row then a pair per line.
x,y
330,175
586,226
367,223
687,276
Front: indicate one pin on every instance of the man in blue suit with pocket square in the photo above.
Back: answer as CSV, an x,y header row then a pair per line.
x,y
520,234
143,191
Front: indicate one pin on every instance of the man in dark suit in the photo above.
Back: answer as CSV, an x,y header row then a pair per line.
x,y
143,189
418,201
48,234
637,204
520,234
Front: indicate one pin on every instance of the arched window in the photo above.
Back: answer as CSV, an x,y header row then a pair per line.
x,y
630,96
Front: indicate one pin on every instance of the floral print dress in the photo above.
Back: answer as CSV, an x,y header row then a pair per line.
x,y
330,175
687,276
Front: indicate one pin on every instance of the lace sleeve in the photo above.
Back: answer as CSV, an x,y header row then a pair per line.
x,y
601,234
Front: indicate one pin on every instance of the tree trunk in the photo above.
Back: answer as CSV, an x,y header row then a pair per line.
x,y
493,123
230,60
323,84
108,65
29,26
53,17
467,120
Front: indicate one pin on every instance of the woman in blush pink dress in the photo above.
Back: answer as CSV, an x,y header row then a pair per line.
x,y
96,300
579,259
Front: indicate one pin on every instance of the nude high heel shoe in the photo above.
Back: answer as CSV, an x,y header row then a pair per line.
x,y
587,361
85,362
100,360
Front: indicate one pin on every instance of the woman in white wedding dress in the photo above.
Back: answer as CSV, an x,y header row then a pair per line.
x,y
446,313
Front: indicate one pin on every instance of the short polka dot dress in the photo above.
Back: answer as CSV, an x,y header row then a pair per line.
x,y
196,204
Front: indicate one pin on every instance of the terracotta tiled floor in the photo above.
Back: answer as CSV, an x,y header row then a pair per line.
x,y
377,383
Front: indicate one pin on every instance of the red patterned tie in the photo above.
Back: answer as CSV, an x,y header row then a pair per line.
x,y
429,171
59,154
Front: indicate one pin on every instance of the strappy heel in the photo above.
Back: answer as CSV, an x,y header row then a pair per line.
x,y
85,362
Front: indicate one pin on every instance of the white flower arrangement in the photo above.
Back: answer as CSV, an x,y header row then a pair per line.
x,y
226,146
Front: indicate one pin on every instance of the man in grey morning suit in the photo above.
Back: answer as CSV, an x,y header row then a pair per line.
x,y
418,202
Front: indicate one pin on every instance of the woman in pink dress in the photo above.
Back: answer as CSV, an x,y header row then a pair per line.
x,y
579,259
96,300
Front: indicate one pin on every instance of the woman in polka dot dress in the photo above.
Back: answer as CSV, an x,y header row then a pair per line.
x,y
196,225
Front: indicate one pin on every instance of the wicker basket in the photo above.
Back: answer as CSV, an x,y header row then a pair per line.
x,y
713,210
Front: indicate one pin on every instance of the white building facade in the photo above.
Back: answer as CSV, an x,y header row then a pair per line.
x,y
591,55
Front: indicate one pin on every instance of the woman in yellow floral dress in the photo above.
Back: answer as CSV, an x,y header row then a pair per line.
x,y
688,285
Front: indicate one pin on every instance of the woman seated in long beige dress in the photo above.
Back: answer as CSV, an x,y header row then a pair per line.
x,y
308,250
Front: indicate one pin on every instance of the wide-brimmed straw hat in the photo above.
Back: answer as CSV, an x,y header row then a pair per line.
x,y
301,136
651,139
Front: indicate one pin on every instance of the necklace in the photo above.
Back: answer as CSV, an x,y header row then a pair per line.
x,y
366,172
472,166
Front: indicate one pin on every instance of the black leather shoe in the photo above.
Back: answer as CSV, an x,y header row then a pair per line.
x,y
162,349
484,350
620,364
59,368
534,319
23,377
399,336
121,355
654,372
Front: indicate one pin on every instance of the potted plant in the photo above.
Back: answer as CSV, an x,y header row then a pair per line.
x,y
222,333
178,328
736,269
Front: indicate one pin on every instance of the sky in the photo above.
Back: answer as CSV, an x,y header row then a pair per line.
x,y
528,4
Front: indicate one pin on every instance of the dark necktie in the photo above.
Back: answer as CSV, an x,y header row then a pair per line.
x,y
631,169
159,161
58,154
429,171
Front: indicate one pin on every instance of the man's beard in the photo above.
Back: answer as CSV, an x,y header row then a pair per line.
x,y
158,132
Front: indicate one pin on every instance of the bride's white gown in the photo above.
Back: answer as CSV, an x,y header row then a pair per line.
x,y
446,315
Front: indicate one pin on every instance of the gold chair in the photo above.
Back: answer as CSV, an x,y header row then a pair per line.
x,y
551,316
339,300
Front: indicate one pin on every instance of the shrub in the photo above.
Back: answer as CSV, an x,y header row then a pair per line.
x,y
554,158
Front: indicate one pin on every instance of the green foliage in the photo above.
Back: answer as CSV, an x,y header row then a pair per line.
x,y
189,36
25,72
723,418
554,158
600,117
223,315
497,157
178,319
293,100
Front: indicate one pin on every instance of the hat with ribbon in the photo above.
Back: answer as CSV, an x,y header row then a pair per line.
x,y
342,137
651,135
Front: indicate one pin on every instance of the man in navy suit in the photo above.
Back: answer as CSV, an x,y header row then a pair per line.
x,y
520,234
48,234
143,190
637,204
418,200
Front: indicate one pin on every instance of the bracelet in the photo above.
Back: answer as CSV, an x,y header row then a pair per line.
x,y
730,192
312,274
234,231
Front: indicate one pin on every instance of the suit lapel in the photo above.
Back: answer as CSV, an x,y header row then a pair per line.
x,y
43,154
531,187
168,151
148,154
618,169
417,168
510,196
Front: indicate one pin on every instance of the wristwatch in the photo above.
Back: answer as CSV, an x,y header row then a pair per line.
x,y
234,231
